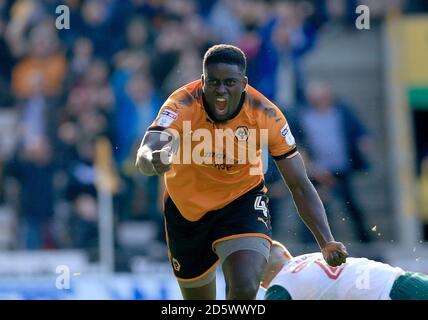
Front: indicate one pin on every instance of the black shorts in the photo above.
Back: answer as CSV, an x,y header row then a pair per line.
x,y
191,244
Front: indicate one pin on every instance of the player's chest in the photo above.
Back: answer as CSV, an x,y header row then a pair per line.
x,y
238,134
223,146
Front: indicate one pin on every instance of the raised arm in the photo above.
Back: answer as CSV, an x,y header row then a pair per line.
x,y
311,209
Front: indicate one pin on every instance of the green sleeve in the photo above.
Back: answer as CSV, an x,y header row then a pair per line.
x,y
277,292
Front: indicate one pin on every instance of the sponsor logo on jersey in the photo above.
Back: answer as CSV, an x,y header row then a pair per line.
x,y
166,118
286,133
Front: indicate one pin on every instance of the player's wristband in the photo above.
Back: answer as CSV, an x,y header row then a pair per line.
x,y
163,134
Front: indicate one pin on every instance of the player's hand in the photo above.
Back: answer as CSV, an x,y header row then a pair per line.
x,y
153,162
161,160
334,253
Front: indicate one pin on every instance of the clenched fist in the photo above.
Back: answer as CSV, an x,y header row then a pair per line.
x,y
154,162
161,160
334,253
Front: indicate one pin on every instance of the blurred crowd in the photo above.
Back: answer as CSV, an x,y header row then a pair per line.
x,y
107,76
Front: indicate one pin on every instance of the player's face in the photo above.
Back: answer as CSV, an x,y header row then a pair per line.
x,y
223,85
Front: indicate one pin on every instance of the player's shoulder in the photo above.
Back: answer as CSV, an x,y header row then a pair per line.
x,y
259,104
186,96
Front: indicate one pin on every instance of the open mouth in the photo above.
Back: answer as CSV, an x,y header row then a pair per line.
x,y
220,106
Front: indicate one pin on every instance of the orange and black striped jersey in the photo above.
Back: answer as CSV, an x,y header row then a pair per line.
x,y
219,162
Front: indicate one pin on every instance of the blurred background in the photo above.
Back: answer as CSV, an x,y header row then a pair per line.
x,y
75,103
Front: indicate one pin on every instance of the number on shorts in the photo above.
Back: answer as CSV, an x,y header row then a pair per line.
x,y
260,204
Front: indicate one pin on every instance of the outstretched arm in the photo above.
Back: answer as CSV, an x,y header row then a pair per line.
x,y
311,209
154,157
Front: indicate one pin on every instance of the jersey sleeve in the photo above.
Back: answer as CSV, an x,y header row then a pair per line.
x,y
280,139
171,115
276,292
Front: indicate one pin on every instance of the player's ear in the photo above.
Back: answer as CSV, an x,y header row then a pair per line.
x,y
244,83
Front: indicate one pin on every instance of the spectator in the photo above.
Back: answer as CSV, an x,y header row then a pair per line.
x,y
34,169
138,36
81,192
2,189
44,61
224,22
6,63
335,142
82,57
278,63
138,102
92,92
83,223
97,23
186,70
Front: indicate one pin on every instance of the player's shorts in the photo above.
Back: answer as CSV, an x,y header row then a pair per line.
x,y
191,245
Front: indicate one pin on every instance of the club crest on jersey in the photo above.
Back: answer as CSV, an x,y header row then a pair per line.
x,y
286,133
166,118
242,133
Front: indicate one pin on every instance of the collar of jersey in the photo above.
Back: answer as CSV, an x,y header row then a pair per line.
x,y
212,116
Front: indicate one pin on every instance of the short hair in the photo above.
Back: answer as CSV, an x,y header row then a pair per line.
x,y
225,53
277,251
